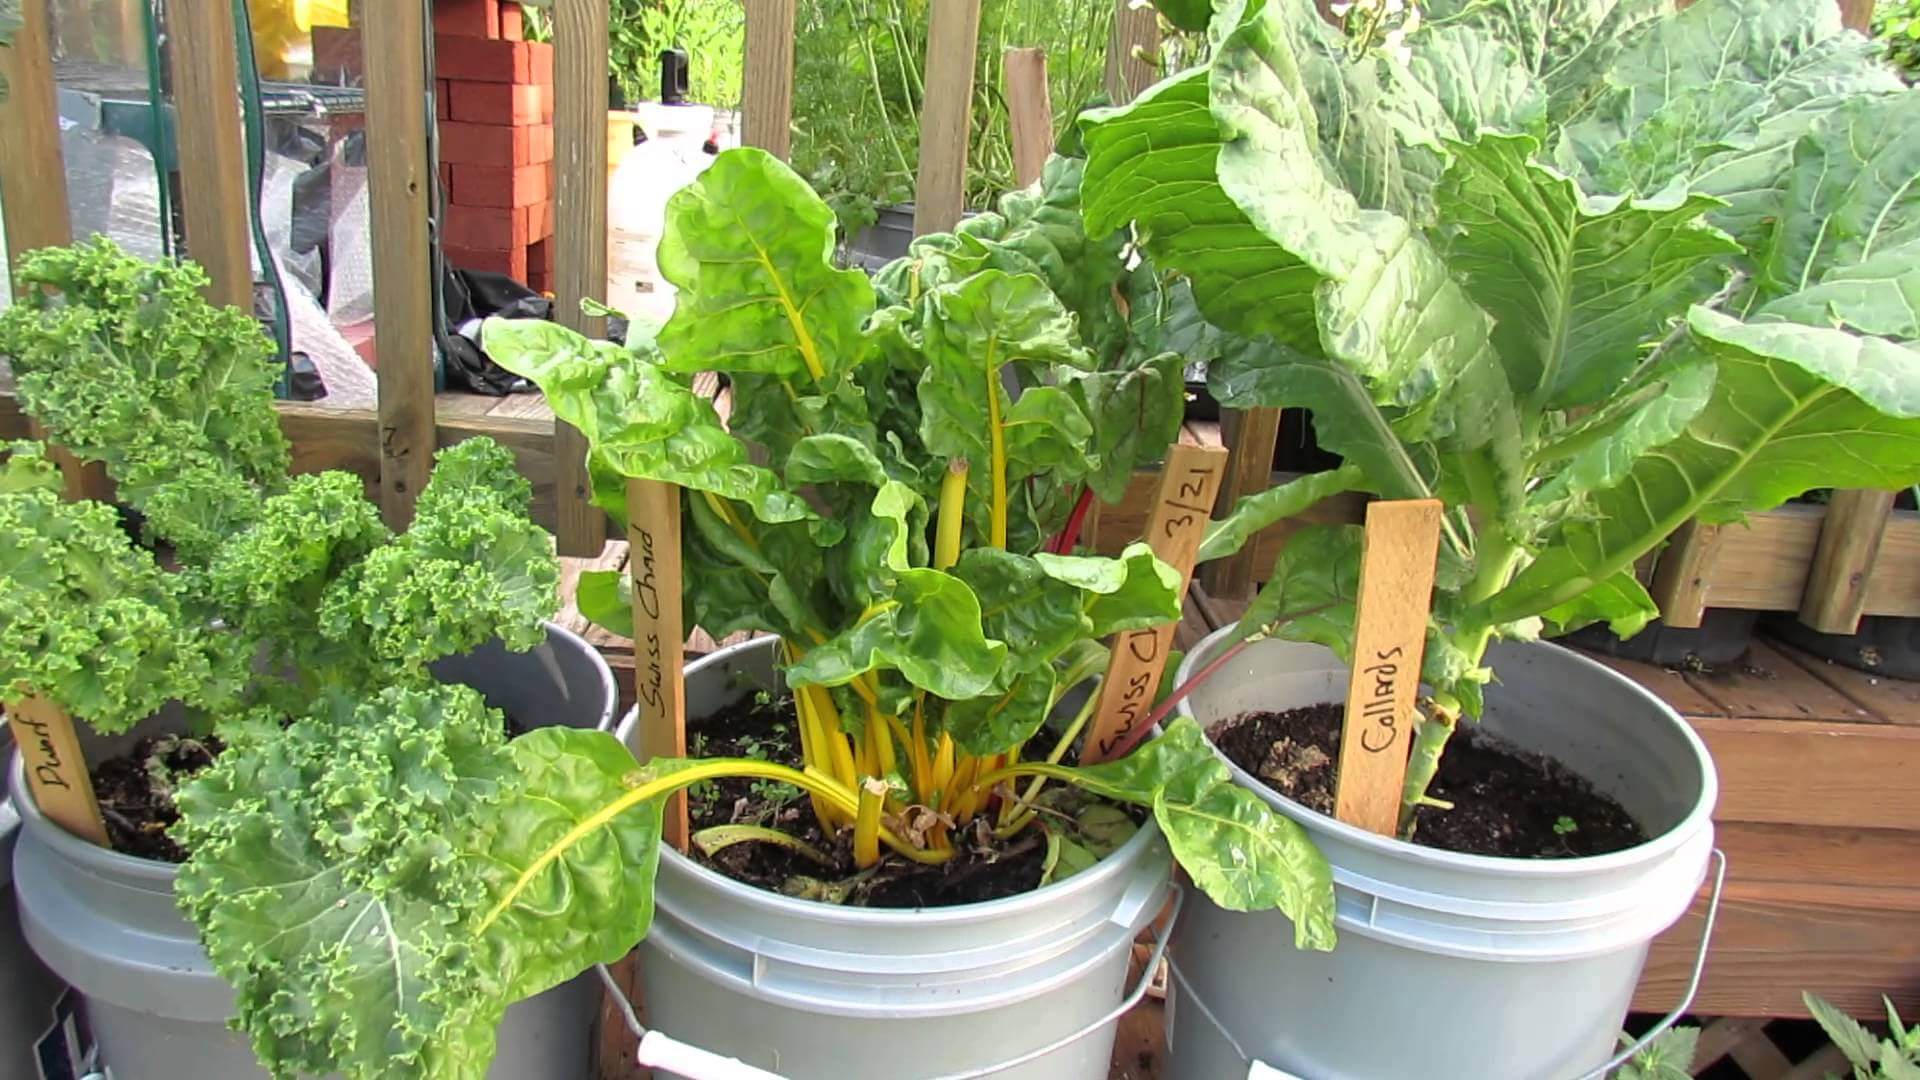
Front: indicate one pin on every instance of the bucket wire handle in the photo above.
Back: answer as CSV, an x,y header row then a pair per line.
x,y
1260,1070
1693,980
1139,991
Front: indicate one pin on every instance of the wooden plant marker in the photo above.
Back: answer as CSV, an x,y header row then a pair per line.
x,y
1174,530
56,768
659,636
1390,635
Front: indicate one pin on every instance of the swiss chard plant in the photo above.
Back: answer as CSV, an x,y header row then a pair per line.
x,y
933,435
1582,271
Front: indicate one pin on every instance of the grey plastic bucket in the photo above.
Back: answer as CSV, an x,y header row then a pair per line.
x,y
107,922
28,991
1450,966
1029,987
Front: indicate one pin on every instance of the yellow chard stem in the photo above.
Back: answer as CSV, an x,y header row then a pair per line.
x,y
866,824
953,502
997,440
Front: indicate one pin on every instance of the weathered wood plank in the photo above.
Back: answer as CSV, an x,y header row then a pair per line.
x,y
33,174
1680,579
580,66
1131,46
1250,436
1671,686
1029,112
1767,684
1836,592
953,40
1806,772
766,100
399,176
1823,855
213,176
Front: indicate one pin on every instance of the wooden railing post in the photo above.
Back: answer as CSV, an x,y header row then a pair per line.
x,y
213,171
398,178
1134,39
953,40
1836,594
1029,112
766,94
579,236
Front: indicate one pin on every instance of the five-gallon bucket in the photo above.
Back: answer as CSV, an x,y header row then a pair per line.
x,y
1027,987
107,923
29,994
1450,966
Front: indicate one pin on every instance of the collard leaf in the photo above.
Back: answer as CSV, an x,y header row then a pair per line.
x,y
1601,450
750,247
1574,282
1254,513
1793,407
1620,601
1879,295
1565,44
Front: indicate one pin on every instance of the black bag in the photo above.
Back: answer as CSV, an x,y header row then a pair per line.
x,y
471,296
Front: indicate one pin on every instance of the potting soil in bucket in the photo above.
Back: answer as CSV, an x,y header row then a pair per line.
x,y
108,924
1450,966
817,991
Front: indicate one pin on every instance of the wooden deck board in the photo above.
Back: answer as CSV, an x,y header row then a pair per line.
x,y
1766,684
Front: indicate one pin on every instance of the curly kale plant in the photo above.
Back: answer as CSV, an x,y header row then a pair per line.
x,y
124,362
1582,271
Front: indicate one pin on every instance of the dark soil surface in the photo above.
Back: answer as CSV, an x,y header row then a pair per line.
x,y
1506,801
135,790
136,793
765,730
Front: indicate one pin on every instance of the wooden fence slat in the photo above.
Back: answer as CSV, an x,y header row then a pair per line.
x,y
33,174
213,171
766,98
1849,544
1029,112
1134,38
1250,436
580,234
953,39
398,178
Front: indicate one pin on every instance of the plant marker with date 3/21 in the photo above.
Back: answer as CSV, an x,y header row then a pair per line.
x,y
1390,637
1189,485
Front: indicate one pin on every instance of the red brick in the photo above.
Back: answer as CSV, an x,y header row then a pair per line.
x,y
475,59
511,263
471,18
485,185
539,143
540,257
540,63
442,100
485,228
501,103
337,56
540,220
499,145
512,22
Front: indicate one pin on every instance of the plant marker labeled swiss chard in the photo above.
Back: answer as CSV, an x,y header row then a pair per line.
x,y
56,768
1187,488
653,560
1389,636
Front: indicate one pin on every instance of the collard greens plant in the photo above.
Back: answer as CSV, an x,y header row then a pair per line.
x,y
931,436
1583,271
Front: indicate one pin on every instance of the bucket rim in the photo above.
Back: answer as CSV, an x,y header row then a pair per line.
x,y
1654,849
134,867
1120,862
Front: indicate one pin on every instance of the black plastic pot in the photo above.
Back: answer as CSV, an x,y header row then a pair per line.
x,y
1884,645
1724,635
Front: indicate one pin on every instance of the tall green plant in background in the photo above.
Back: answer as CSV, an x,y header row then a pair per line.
x,y
1896,24
713,32
859,86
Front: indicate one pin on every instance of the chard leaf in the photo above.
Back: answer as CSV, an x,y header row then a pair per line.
x,y
929,631
1006,716
750,248
1312,592
640,419
1793,407
1036,614
1242,854
331,884
1133,417
1131,592
1574,282
594,902
605,598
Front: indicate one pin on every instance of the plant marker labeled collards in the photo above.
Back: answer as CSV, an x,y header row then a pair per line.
x,y
1390,637
1179,519
56,768
659,635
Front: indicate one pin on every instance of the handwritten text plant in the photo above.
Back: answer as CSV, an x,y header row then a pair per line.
x,y
931,435
1584,272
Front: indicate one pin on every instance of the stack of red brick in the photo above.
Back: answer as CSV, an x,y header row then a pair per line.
x,y
495,96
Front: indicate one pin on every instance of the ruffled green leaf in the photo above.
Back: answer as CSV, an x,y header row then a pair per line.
x,y
928,630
